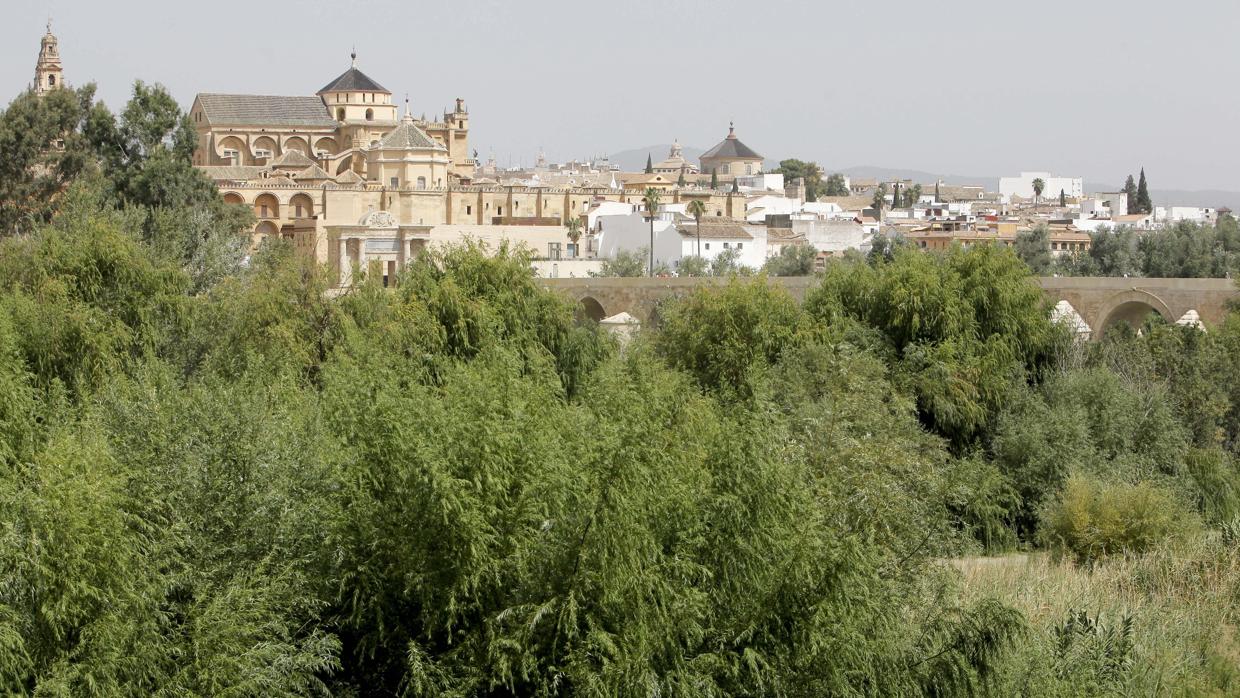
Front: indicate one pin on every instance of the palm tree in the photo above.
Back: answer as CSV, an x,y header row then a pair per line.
x,y
1039,185
651,199
573,224
697,209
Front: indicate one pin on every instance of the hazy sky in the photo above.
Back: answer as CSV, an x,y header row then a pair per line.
x,y
975,87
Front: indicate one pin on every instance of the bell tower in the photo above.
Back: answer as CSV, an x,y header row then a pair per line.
x,y
48,74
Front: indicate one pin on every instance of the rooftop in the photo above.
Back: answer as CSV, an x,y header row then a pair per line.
x,y
731,148
273,110
354,80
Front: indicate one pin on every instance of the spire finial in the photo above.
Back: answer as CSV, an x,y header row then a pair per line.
x,y
353,55
731,128
408,115
49,24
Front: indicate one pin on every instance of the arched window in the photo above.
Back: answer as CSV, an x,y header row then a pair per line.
x,y
370,114
340,114
51,81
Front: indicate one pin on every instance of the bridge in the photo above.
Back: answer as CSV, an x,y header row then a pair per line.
x,y
1091,304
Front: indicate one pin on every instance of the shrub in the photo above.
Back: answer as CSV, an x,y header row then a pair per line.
x,y
1092,519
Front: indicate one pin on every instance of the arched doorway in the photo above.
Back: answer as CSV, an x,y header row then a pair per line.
x,y
234,198
589,308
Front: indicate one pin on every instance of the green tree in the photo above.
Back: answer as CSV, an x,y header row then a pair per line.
x,y
880,199
651,201
1063,199
693,266
42,151
836,186
1039,185
624,263
792,260
1130,188
714,179
1144,204
649,164
1033,246
573,227
966,328
697,209
793,169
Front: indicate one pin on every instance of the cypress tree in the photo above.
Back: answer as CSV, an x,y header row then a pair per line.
x,y
714,178
938,199
680,181
1130,188
1063,198
649,164
1144,204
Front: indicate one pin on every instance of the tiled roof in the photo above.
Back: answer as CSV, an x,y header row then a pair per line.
x,y
354,80
233,173
722,230
408,136
292,158
349,177
268,110
731,148
312,173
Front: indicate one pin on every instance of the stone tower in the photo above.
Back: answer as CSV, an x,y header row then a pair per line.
x,y
48,74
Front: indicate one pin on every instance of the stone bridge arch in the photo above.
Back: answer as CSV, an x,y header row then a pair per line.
x,y
589,308
1132,306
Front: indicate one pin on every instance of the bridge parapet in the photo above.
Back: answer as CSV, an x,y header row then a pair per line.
x,y
1100,301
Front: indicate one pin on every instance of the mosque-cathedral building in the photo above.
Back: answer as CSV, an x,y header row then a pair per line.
x,y
356,183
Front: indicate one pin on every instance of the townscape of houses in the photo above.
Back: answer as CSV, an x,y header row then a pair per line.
x,y
360,184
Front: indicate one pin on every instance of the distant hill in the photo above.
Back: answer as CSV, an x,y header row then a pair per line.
x,y
635,160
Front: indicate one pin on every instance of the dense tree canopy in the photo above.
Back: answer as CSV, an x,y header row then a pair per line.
x,y
219,479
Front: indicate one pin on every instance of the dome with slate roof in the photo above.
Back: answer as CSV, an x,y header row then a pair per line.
x,y
732,157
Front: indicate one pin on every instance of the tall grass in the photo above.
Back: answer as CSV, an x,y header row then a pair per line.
x,y
1179,605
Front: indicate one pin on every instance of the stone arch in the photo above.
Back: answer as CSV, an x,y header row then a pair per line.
x,y
266,206
263,231
346,164
301,206
233,197
235,144
1132,307
264,143
297,143
1066,315
326,145
588,308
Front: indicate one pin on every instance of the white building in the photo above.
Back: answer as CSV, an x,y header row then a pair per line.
x,y
760,182
676,237
1105,205
832,236
1022,186
1167,215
